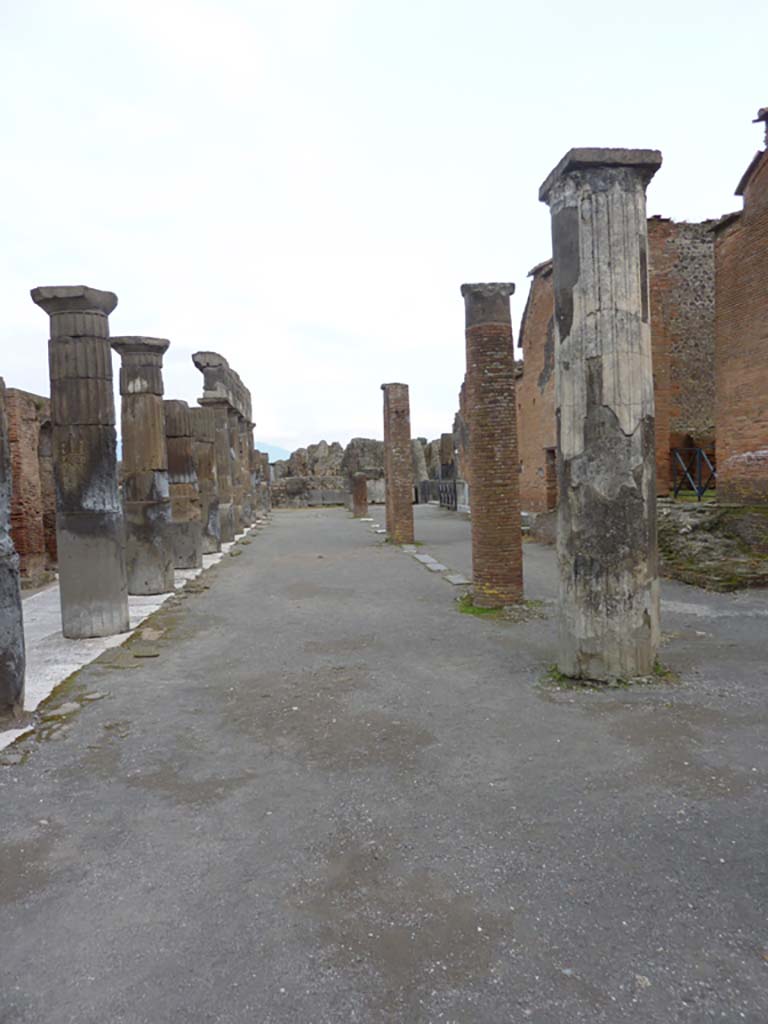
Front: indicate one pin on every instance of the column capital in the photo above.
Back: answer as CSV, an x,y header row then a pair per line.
x,y
641,163
139,345
78,298
486,303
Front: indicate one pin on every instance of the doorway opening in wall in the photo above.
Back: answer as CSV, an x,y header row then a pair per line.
x,y
550,477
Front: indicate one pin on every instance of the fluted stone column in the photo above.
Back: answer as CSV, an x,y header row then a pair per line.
x,y
146,490
609,590
89,521
223,467
12,657
497,555
186,525
398,463
359,495
204,448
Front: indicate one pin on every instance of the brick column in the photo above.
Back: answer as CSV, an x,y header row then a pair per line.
x,y
497,557
146,495
186,525
398,463
204,449
609,590
359,495
11,623
89,521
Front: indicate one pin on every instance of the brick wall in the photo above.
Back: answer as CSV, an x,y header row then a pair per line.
x,y
681,264
741,324
681,269
26,413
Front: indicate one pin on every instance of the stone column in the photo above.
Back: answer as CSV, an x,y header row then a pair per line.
x,y
146,494
186,525
497,557
204,449
609,590
12,658
89,520
359,495
220,412
398,463
245,471
447,469
235,469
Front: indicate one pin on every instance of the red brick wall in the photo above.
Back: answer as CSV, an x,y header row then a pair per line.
x,y
536,427
25,412
741,324
681,275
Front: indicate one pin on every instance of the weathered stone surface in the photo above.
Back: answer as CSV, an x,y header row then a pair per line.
x,y
11,624
28,418
90,528
204,449
497,558
186,516
420,471
359,495
398,463
607,548
146,487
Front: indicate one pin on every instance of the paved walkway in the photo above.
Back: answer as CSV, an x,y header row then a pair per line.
x,y
313,791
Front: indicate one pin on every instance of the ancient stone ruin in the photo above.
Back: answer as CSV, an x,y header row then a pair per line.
x,y
11,625
146,490
497,558
609,590
398,463
186,528
89,523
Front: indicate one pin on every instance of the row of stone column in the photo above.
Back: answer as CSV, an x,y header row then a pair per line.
x,y
607,551
188,474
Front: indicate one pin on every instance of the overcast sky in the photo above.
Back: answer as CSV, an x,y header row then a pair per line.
x,y
303,185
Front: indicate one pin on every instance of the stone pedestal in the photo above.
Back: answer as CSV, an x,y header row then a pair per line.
x,y
146,492
359,488
609,591
497,558
204,447
398,463
186,524
11,622
89,522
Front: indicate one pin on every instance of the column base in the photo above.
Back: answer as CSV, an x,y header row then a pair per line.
x,y
12,645
227,522
187,543
92,575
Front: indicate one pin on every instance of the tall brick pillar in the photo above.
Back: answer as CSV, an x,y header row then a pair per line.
x,y
11,623
359,495
146,495
89,521
398,463
204,448
186,525
497,558
609,590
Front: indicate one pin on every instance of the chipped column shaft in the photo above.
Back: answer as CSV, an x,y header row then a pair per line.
x,y
398,463
186,525
89,520
609,591
12,656
236,469
204,448
359,495
497,555
146,493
